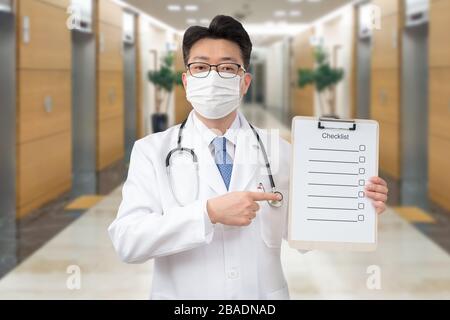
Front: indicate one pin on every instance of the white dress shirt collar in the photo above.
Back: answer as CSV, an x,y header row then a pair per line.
x,y
209,135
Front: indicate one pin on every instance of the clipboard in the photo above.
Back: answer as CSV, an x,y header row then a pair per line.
x,y
332,161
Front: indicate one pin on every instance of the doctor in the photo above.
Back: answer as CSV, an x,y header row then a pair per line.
x,y
194,198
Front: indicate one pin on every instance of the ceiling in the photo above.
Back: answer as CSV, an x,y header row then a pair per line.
x,y
255,12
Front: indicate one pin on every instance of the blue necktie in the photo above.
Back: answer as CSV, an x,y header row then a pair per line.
x,y
223,160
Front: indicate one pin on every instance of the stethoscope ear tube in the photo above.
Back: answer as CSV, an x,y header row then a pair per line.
x,y
180,149
194,187
273,203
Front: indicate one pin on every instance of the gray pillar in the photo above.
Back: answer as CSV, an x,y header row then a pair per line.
x,y
84,113
7,143
130,99
414,117
363,78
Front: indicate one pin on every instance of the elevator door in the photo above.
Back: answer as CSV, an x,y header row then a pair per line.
x,y
7,144
414,116
363,80
83,113
130,103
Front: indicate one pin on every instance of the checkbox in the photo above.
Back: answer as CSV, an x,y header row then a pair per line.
x,y
362,159
361,194
362,183
360,206
361,217
362,148
362,171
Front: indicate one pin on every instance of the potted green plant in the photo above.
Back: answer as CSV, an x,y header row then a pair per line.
x,y
164,80
325,78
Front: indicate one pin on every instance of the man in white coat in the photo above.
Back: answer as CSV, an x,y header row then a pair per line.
x,y
223,243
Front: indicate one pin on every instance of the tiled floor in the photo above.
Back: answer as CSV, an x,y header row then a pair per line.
x,y
410,264
34,230
86,245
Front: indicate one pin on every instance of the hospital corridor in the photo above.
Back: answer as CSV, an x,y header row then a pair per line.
x,y
82,80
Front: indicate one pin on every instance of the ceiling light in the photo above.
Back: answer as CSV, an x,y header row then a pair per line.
x,y
191,7
191,21
295,13
174,7
279,13
204,21
295,1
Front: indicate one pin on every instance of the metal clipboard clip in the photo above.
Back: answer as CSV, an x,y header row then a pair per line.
x,y
336,124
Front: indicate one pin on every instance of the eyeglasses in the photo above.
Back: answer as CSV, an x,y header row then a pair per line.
x,y
225,70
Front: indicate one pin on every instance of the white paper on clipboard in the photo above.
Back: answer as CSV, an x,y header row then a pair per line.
x,y
332,162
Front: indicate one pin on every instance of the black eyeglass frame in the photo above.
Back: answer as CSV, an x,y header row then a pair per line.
x,y
240,67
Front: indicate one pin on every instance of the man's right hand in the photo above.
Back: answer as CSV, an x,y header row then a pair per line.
x,y
237,208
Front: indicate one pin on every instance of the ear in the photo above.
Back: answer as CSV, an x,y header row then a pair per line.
x,y
184,79
246,83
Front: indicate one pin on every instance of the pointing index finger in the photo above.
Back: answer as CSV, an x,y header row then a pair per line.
x,y
265,196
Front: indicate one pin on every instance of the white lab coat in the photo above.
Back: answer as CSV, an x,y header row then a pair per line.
x,y
195,259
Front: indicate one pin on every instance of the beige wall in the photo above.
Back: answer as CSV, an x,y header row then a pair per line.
x,y
337,34
153,42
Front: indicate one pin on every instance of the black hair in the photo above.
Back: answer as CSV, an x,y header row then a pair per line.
x,y
221,27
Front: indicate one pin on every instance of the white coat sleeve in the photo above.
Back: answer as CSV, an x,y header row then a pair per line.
x,y
142,230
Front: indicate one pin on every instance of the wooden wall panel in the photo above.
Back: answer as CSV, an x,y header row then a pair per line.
x,y
44,169
44,143
439,108
385,99
388,7
59,3
49,46
140,132
34,88
182,106
389,149
303,51
439,175
110,141
110,12
386,85
354,72
110,98
385,50
439,103
302,100
439,43
110,95
110,48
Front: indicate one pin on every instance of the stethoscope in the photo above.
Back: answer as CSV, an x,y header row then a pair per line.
x,y
191,152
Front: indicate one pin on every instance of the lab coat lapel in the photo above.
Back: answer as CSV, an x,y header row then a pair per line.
x,y
246,158
208,171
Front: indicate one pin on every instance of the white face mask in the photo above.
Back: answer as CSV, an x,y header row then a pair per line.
x,y
214,97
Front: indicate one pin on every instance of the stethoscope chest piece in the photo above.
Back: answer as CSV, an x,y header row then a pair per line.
x,y
273,203
277,203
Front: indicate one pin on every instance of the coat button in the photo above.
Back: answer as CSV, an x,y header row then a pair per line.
x,y
233,274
